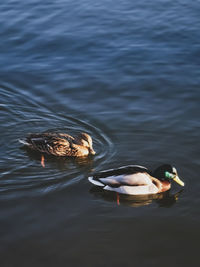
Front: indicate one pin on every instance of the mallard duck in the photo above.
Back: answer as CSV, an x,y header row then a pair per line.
x,y
136,180
59,144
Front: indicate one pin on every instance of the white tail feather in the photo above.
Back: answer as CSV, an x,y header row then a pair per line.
x,y
95,182
24,142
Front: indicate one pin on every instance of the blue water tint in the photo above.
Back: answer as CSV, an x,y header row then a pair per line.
x,y
126,72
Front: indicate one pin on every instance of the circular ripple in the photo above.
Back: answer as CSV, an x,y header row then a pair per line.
x,y
21,171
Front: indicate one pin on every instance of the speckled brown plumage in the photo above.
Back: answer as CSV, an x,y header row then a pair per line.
x,y
60,144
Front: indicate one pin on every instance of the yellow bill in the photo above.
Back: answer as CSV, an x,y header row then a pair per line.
x,y
178,180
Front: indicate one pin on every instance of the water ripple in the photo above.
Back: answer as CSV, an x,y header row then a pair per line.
x,y
23,174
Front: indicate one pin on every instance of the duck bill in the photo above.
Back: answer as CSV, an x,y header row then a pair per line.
x,y
178,180
92,152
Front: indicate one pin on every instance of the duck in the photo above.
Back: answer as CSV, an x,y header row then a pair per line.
x,y
136,179
59,144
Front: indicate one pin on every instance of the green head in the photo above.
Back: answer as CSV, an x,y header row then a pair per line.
x,y
168,172
174,177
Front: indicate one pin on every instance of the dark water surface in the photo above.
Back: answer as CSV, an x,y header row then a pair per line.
x,y
128,73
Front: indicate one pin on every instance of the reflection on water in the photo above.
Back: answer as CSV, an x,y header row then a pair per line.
x,y
165,199
19,173
127,73
60,162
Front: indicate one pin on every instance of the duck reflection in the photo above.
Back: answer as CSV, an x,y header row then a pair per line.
x,y
165,199
61,162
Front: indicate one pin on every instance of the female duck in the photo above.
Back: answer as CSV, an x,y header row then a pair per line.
x,y
60,144
136,180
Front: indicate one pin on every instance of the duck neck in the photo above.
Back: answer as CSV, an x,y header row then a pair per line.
x,y
81,150
166,185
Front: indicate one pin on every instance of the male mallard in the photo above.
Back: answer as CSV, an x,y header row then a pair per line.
x,y
60,144
136,180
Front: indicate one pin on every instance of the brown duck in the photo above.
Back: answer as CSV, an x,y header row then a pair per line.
x,y
59,144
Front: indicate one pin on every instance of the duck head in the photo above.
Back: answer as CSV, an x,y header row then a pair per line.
x,y
167,172
86,141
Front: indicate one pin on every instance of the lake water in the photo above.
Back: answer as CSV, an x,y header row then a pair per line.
x,y
128,73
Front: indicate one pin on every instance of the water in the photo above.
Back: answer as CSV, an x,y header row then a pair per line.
x,y
127,72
